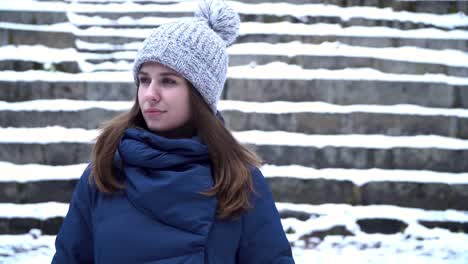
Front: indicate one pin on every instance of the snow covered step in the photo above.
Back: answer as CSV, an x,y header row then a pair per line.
x,y
26,34
302,117
56,35
316,33
303,13
333,121
329,55
438,7
336,186
47,217
35,183
293,183
271,82
21,218
54,146
148,16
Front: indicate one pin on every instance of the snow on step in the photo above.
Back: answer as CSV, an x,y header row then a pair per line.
x,y
280,138
410,54
36,172
363,176
56,105
247,28
56,134
41,211
80,44
276,107
271,71
279,9
377,211
47,135
284,107
45,54
54,209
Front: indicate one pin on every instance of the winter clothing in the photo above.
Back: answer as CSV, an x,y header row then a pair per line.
x,y
195,48
161,217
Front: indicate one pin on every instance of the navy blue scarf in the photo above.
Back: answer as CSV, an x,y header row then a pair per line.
x,y
165,177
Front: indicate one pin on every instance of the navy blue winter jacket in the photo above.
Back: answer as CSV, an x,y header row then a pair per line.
x,y
161,217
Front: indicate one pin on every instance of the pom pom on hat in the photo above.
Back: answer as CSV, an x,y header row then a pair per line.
x,y
221,18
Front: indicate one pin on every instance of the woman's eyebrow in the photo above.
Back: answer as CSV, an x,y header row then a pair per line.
x,y
171,74
162,74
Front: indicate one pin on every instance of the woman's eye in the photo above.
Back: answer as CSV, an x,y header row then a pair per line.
x,y
144,80
168,81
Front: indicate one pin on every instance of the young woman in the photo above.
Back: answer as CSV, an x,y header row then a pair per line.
x,y
168,183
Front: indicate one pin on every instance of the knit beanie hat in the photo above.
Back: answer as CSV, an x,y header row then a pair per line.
x,y
195,48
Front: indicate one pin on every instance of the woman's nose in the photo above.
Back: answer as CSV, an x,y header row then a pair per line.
x,y
153,92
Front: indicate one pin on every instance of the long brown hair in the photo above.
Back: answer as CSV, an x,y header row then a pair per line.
x,y
231,161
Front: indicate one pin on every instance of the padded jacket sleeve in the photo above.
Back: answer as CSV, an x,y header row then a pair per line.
x,y
74,242
263,240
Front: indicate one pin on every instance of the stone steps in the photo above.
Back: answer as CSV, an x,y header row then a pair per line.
x,y
64,35
431,196
356,222
397,120
436,7
16,34
274,12
151,19
343,87
328,157
60,146
330,56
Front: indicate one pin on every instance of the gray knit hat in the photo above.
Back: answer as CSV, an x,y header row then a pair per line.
x,y
195,48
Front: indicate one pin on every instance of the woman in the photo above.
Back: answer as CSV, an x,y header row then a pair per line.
x,y
168,183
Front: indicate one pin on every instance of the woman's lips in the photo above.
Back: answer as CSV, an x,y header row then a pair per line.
x,y
154,112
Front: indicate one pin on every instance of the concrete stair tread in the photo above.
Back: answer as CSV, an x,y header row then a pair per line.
x,y
249,32
435,194
359,177
437,7
35,183
23,173
26,173
330,55
257,83
301,117
276,107
25,86
52,145
301,12
322,218
57,134
260,72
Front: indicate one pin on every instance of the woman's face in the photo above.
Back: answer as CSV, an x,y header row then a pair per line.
x,y
163,96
